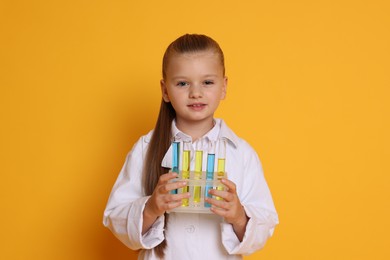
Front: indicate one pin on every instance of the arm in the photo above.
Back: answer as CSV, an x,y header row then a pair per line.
x,y
135,219
162,200
256,201
124,211
230,208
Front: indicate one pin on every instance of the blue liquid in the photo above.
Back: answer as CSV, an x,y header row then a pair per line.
x,y
176,157
209,176
210,166
175,160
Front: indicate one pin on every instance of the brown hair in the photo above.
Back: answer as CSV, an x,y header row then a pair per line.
x,y
161,137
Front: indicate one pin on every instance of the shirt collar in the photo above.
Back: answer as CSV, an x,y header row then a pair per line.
x,y
211,135
220,130
227,133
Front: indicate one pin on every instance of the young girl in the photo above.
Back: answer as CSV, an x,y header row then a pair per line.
x,y
193,84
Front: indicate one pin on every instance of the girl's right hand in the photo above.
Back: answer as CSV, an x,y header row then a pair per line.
x,y
162,200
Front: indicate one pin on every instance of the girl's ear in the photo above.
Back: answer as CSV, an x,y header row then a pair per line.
x,y
224,88
164,91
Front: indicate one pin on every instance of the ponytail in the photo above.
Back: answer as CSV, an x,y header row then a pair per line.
x,y
158,146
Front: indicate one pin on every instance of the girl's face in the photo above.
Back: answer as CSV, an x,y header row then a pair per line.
x,y
194,85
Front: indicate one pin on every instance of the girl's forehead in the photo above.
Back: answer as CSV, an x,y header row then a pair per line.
x,y
189,57
195,63
196,54
211,53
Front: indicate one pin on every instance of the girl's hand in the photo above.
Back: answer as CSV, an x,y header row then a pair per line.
x,y
230,207
162,199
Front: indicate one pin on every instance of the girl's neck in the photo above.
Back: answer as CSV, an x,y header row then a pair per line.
x,y
195,129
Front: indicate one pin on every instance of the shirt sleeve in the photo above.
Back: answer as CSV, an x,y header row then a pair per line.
x,y
124,211
257,201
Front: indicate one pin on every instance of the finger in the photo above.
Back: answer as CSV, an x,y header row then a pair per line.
x,y
166,177
219,211
229,184
168,206
175,201
218,203
172,186
177,197
222,194
173,205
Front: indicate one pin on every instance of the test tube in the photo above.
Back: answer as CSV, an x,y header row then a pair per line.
x,y
198,169
175,160
186,169
221,158
221,162
209,170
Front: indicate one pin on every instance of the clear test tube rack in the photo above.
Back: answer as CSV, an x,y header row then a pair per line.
x,y
196,203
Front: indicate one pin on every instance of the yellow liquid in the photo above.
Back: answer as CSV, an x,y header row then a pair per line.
x,y
186,161
198,174
221,167
186,175
221,173
197,189
185,202
198,161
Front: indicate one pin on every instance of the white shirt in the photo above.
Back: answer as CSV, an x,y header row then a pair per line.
x,y
193,235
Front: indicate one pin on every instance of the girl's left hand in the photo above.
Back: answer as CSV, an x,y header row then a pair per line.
x,y
230,207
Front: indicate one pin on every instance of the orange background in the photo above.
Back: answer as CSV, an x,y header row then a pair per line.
x,y
309,88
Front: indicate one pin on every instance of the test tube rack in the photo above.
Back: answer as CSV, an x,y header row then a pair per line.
x,y
198,183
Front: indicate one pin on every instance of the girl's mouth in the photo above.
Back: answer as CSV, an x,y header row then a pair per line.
x,y
197,106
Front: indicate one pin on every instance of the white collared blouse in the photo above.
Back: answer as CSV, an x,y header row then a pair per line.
x,y
193,235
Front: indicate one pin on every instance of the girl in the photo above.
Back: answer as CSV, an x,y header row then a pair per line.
x,y
193,84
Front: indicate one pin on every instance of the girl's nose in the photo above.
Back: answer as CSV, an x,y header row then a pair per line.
x,y
195,91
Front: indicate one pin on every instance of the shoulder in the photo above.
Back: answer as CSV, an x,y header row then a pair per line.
x,y
146,138
240,147
235,140
142,143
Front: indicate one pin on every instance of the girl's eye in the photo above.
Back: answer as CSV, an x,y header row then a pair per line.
x,y
182,84
208,82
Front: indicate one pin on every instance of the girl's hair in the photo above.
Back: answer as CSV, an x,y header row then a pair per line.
x,y
161,138
191,43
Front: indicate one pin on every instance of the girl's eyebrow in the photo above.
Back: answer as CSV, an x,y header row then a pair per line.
x,y
178,77
210,75
204,76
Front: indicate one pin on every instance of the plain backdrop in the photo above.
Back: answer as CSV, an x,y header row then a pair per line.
x,y
309,88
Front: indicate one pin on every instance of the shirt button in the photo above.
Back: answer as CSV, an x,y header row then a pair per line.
x,y
190,229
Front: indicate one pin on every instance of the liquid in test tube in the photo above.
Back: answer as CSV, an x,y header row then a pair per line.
x,y
209,170
221,162
175,159
198,169
186,169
